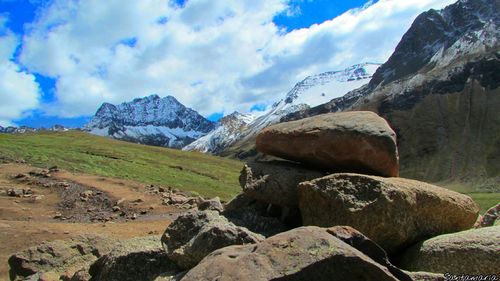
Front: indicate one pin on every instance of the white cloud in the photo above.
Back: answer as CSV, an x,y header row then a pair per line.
x,y
18,90
212,55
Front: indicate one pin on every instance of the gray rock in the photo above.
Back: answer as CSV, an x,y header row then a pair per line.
x,y
474,251
137,259
275,182
213,204
196,234
491,217
258,217
393,212
358,141
362,243
305,253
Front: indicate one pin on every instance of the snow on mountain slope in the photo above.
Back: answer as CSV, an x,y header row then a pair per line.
x,y
321,88
311,91
151,120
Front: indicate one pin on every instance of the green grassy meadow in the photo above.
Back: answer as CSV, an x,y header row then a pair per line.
x,y
485,200
81,152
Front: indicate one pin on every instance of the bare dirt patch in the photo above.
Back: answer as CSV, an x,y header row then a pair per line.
x,y
40,205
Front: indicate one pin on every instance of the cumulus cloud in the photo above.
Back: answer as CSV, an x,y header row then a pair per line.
x,y
18,89
212,55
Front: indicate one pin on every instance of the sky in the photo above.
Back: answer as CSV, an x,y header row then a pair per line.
x,y
61,59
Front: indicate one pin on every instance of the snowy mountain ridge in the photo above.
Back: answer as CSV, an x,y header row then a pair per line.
x,y
312,91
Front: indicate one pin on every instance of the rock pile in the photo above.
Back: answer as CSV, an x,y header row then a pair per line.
x,y
20,192
332,209
174,197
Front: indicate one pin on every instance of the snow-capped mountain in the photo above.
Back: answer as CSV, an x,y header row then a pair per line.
x,y
311,91
440,91
228,130
437,46
151,120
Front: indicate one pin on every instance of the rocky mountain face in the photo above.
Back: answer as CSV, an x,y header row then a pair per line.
x,y
440,92
312,91
151,120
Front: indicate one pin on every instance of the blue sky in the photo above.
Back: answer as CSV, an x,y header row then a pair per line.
x,y
60,59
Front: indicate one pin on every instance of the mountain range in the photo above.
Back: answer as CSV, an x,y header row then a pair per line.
x,y
166,122
26,129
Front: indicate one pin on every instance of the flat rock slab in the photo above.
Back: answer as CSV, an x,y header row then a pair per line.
x,y
393,212
305,253
275,182
358,141
474,251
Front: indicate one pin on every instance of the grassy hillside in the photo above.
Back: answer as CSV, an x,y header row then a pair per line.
x,y
81,152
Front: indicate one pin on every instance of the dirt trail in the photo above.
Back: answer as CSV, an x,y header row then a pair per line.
x,y
61,205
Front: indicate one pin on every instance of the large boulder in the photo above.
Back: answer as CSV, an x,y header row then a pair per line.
x,y
394,212
474,251
360,142
137,259
305,253
196,234
60,258
275,182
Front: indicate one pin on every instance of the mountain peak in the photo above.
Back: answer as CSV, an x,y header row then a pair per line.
x,y
149,98
237,117
432,31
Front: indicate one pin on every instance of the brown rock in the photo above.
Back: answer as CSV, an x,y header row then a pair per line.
x,y
59,258
305,253
359,141
474,251
275,182
393,212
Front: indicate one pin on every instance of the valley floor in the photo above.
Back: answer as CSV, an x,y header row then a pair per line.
x,y
46,214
